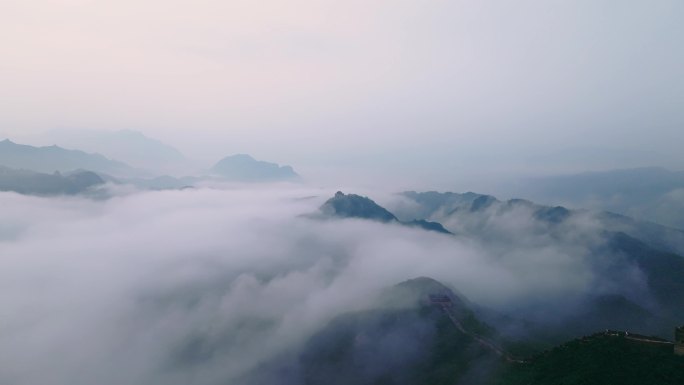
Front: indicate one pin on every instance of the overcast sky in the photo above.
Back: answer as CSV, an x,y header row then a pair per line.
x,y
425,88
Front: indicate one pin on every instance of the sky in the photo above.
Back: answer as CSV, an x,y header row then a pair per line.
x,y
353,92
387,88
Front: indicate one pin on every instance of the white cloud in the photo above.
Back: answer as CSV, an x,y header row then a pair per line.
x,y
203,285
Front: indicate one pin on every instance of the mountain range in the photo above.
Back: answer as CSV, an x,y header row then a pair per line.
x,y
612,245
35,183
53,158
21,160
422,332
650,193
131,147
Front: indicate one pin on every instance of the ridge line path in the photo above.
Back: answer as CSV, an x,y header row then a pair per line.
x,y
488,344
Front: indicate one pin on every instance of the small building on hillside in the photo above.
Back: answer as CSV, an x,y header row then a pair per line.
x,y
679,341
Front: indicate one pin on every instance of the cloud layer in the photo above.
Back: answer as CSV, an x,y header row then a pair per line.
x,y
202,286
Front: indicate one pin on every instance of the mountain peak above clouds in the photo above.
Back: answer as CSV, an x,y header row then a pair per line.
x,y
244,168
356,206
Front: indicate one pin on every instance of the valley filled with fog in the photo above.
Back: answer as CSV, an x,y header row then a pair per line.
x,y
215,283
328,192
246,271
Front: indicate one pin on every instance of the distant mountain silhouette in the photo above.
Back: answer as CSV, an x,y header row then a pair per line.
x,y
650,193
34,183
242,167
53,158
128,146
432,205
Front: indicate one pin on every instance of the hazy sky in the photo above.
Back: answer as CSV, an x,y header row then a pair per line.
x,y
426,88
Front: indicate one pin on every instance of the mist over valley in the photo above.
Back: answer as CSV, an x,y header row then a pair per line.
x,y
326,192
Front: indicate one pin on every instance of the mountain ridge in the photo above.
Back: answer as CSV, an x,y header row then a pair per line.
x,y
34,183
356,206
48,159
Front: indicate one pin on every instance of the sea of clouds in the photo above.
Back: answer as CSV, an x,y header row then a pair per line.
x,y
204,285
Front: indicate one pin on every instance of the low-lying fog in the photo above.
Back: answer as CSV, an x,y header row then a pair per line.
x,y
202,285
